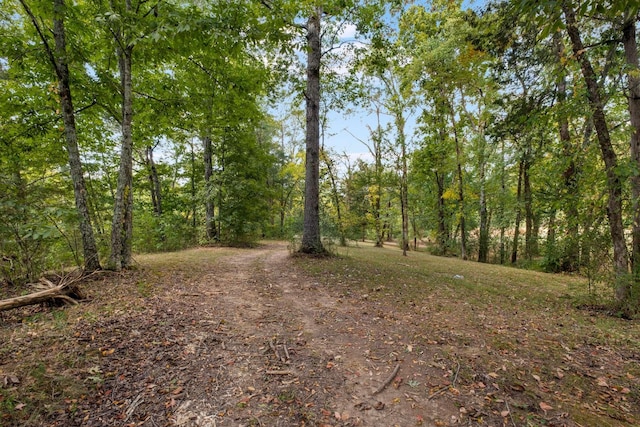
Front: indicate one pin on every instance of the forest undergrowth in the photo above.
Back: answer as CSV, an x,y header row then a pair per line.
x,y
255,337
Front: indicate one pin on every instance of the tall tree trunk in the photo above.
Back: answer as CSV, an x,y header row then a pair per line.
x,y
633,76
501,208
194,191
122,226
463,231
528,210
443,235
210,224
483,244
61,67
377,205
570,256
614,184
516,231
90,251
404,190
550,244
311,242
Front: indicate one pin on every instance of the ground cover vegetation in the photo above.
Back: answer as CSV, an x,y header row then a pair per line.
x,y
227,337
504,135
141,127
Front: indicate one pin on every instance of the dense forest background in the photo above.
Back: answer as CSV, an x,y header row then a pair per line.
x,y
135,126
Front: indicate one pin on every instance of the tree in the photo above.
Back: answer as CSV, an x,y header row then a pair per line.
x,y
311,242
633,86
609,156
58,60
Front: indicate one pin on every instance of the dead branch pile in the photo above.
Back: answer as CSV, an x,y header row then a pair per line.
x,y
65,292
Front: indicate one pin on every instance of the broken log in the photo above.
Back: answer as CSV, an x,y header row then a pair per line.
x,y
64,292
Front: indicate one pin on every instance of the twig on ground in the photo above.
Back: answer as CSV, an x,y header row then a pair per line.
x,y
275,350
279,373
455,377
388,380
132,407
438,392
309,396
510,414
286,350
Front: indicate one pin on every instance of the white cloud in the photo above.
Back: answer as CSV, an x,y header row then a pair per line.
x,y
348,32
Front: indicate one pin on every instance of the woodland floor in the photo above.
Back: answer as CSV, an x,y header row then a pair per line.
x,y
255,337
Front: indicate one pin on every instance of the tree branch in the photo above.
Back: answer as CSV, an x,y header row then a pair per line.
x,y
47,48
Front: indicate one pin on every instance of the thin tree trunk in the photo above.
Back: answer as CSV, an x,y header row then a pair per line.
x,y
122,226
631,56
194,201
463,231
210,224
442,218
614,184
570,255
60,65
90,250
483,244
377,205
311,242
501,219
404,190
528,210
516,231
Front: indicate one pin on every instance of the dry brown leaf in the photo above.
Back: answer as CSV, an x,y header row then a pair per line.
x,y
545,406
602,382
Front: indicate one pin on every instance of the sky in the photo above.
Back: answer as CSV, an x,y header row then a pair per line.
x,y
346,129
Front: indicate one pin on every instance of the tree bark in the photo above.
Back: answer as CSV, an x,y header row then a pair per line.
x,y
377,204
404,190
61,67
633,68
311,242
516,231
90,250
570,256
463,231
501,207
528,210
614,184
122,226
210,224
443,235
483,244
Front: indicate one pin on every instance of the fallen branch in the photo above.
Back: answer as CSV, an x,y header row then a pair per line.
x,y
64,292
388,380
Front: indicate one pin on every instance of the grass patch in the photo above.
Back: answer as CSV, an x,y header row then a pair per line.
x,y
527,326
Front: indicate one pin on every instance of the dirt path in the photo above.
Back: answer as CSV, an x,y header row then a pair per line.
x,y
229,337
293,354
